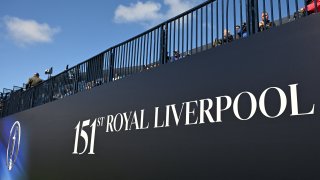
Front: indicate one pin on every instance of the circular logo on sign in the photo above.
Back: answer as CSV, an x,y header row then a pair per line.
x,y
13,145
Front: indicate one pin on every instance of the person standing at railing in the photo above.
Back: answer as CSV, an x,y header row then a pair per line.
x,y
265,23
312,6
34,80
227,38
176,55
241,31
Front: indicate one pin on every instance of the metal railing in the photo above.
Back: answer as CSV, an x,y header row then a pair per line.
x,y
212,23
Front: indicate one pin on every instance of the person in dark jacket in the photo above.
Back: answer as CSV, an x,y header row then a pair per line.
x,y
34,80
265,23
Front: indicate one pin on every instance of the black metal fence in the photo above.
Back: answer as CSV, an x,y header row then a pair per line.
x,y
211,24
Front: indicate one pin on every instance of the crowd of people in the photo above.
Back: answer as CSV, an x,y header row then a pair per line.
x,y
241,31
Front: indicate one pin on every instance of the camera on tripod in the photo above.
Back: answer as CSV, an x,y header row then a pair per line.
x,y
48,72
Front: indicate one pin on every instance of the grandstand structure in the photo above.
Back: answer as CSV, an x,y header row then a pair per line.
x,y
218,92
189,33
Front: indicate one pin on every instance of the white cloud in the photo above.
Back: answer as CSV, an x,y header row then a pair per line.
x,y
139,12
178,6
25,32
150,12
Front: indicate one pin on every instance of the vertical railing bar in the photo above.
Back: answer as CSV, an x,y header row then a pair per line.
x,y
129,58
169,41
154,46
158,44
227,21
183,37
263,12
127,62
141,53
138,56
222,14
306,7
207,27
187,43
174,36
122,61
201,28
217,19
272,14
179,28
132,56
150,50
241,17
114,63
279,9
146,41
257,14
107,68
146,49
288,9
134,51
191,40
197,31
119,61
212,39
234,19
248,17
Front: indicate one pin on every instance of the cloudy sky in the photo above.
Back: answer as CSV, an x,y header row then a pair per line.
x,y
38,34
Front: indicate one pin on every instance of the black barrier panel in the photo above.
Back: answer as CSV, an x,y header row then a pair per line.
x,y
246,110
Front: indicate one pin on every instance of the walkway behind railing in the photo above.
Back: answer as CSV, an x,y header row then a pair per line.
x,y
213,23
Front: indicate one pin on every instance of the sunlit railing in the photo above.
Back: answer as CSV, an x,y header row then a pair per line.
x,y
211,24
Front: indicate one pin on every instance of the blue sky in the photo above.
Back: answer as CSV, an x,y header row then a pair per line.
x,y
38,34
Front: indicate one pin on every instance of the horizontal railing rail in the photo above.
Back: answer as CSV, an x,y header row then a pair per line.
x,y
208,25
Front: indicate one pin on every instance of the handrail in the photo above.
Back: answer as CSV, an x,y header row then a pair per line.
x,y
208,25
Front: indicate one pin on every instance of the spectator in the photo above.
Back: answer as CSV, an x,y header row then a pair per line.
x,y
238,32
176,55
34,81
243,32
265,23
227,37
311,6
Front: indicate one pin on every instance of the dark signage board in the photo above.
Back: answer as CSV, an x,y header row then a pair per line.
x,y
246,110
